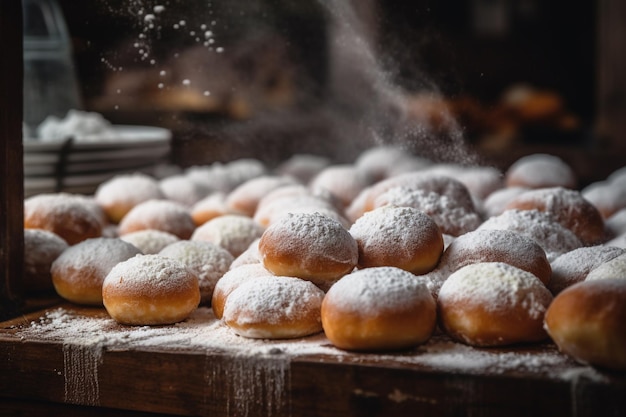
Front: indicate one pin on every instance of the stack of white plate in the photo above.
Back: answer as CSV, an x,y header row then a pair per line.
x,y
77,166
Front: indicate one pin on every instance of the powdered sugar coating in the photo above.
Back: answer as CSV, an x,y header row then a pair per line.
x,y
181,189
372,291
552,236
205,259
452,218
167,216
233,279
496,202
540,170
233,232
150,241
246,197
269,308
574,266
118,195
343,181
41,249
612,269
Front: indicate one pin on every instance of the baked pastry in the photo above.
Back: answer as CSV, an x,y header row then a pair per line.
x,y
231,280
540,171
121,193
41,249
377,309
150,241
164,215
150,290
232,232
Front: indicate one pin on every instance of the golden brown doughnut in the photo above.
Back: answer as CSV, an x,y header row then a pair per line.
x,y
493,304
150,290
164,215
78,273
382,308
205,259
309,246
67,215
404,237
118,195
274,308
568,207
505,246
41,249
231,280
586,321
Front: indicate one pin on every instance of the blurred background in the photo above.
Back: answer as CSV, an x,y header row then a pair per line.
x,y
475,81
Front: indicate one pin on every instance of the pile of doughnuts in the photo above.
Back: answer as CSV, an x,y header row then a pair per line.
x,y
378,254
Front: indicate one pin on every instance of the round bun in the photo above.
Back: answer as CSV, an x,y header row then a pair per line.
x,y
540,171
552,236
66,215
206,260
345,182
612,269
375,309
309,246
493,304
150,241
274,308
230,281
210,207
150,290
497,246
574,266
233,232
586,321
118,195
404,237
163,215
568,207
245,197
41,249
78,273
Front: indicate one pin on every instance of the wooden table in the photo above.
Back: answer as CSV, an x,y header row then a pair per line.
x,y
78,361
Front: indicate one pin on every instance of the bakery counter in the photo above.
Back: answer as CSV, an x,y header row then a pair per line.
x,y
80,362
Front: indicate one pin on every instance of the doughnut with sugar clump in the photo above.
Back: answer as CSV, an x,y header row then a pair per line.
x,y
378,309
586,321
118,195
574,266
497,246
233,232
310,246
150,290
78,273
274,307
568,207
231,280
205,259
69,216
493,304
404,237
167,216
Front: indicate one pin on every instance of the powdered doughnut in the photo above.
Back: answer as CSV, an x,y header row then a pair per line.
x,y
181,189
376,309
205,259
246,196
65,215
493,304
612,269
344,181
212,206
586,321
121,193
606,196
269,210
41,249
540,171
404,237
573,267
274,308
496,202
568,207
249,256
167,216
309,246
150,290
552,236
505,246
150,241
453,219
231,280
78,273
233,232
